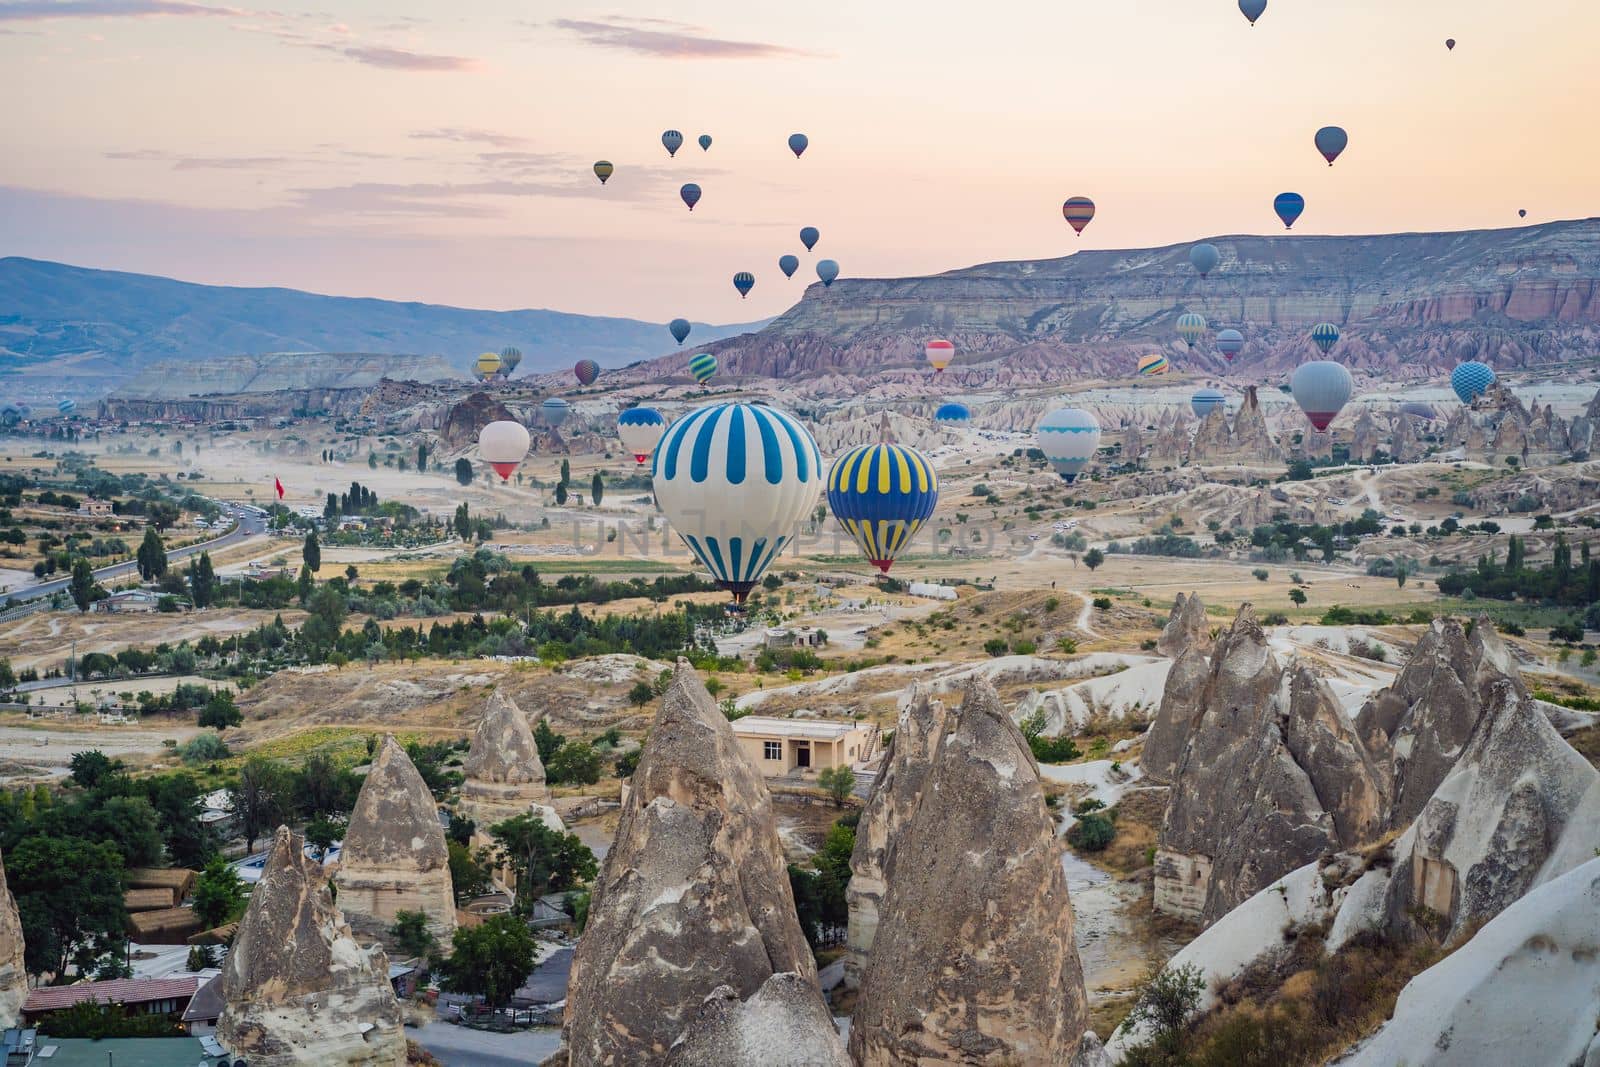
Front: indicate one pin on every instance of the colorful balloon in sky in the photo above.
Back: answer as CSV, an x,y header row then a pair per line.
x,y
939,353
1419,409
586,371
1206,401
1331,142
1151,365
809,235
1289,206
1471,380
690,193
703,367
603,170
554,411
1450,43
1191,327
672,140
1230,343
1321,388
510,357
744,281
487,365
881,495
1204,258
67,406
705,142
1523,213
827,270
788,264
1325,335
1079,212
1069,438
1252,9
640,429
503,445
679,328
953,413
734,480
797,143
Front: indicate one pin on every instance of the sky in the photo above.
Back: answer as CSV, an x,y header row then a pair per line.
x,y
442,152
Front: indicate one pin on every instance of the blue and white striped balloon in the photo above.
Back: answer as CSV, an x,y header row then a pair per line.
x,y
1069,438
640,430
1205,401
734,480
953,413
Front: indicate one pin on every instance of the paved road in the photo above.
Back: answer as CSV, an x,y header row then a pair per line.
x,y
461,1046
249,525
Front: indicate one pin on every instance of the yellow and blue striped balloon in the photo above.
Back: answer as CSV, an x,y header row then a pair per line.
x,y
703,367
881,495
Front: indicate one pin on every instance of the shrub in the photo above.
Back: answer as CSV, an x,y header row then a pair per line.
x,y
1261,574
1102,603
1092,833
203,748
1053,749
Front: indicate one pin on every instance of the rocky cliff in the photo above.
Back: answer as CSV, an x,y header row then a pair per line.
x,y
394,856
1187,627
692,896
463,419
504,776
297,989
783,1024
973,960
13,971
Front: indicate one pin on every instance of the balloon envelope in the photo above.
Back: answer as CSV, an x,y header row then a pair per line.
x,y
586,371
510,357
1471,380
1419,409
788,264
1069,438
809,236
1206,401
679,328
1522,214
603,170
702,367
1326,335
1079,212
503,445
67,406
1204,258
734,480
881,495
1450,43
953,412
1191,327
744,281
705,142
639,430
1252,9
1321,388
1289,206
554,411
1331,142
690,193
827,270
1152,364
672,140
487,365
939,353
797,143
1230,343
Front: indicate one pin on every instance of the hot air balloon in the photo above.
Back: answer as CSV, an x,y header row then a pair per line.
x,y
1079,212
1472,380
1522,214
1326,335
603,170
586,371
809,236
939,353
788,264
1420,410
1069,438
1331,141
1191,327
1204,258
797,143
881,495
705,142
672,140
1289,206
554,411
734,480
1252,9
1450,43
1151,365
679,328
1206,401
1321,388
639,430
487,365
510,357
67,406
703,367
1230,343
827,270
744,281
10,413
503,445
690,193
953,413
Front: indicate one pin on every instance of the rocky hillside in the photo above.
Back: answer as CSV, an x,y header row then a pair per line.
x,y
1409,305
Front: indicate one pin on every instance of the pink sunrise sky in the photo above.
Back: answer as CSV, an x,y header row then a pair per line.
x,y
441,151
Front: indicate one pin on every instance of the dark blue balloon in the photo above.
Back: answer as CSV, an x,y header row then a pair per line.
x,y
788,264
1289,206
809,235
797,143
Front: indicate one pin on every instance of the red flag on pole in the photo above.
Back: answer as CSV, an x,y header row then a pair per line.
x,y
279,487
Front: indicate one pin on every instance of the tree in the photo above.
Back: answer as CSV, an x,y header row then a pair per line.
x,y
464,471
220,712
837,782
152,557
261,798
411,934
202,581
312,552
597,489
372,460
1093,558
490,960
1298,596
561,494
543,860
82,586
574,762
422,457
219,895
566,472
547,740
1168,1002
69,894
1400,576
93,769
469,871
1092,832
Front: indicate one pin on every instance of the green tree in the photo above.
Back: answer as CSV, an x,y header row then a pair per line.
x,y
311,553
322,833
422,457
1093,558
1298,596
152,557
543,860
411,934
463,522
490,960
469,871
1167,1003
464,471
219,895
597,489
93,769
1092,832
837,782
566,472
575,762
69,894
547,740
202,581
262,798
82,586
372,460
561,494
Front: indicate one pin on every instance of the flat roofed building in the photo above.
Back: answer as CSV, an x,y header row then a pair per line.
x,y
781,747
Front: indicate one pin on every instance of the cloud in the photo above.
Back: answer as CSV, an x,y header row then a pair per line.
x,y
39,10
462,135
665,39
150,155
401,59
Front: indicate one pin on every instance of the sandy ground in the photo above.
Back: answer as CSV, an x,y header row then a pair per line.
x,y
45,640
44,747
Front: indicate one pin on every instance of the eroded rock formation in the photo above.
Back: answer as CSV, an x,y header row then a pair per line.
x,y
974,960
1187,627
504,776
297,989
784,1024
394,856
461,423
693,895
13,971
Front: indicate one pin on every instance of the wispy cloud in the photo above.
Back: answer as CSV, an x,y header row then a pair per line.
x,y
403,59
182,162
463,135
40,10
665,39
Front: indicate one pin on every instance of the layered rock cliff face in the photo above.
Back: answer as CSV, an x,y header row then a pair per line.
x,y
394,856
297,989
504,776
693,895
973,960
459,427
13,971
894,798
1271,776
783,1024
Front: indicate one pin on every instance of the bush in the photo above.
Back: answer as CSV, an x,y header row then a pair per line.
x,y
220,712
1102,603
575,762
1053,749
1092,832
203,748
1261,574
